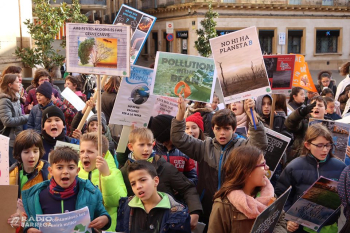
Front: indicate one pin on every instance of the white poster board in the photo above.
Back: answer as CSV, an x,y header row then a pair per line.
x,y
4,160
75,100
165,105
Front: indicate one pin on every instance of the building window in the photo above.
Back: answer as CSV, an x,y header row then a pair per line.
x,y
266,39
294,2
327,2
229,1
294,41
327,41
224,32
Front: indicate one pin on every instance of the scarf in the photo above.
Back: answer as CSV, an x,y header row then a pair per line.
x,y
52,140
251,207
242,120
132,158
60,193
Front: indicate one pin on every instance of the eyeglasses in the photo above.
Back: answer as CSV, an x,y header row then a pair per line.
x,y
321,146
263,165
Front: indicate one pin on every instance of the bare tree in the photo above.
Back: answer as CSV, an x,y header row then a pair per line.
x,y
100,52
223,78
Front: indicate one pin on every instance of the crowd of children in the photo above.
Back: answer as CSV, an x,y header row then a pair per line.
x,y
181,170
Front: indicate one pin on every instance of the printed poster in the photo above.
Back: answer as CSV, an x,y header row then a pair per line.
x,y
340,135
316,205
280,70
302,76
75,221
276,145
165,105
267,220
98,49
75,100
134,103
141,26
240,65
191,76
4,160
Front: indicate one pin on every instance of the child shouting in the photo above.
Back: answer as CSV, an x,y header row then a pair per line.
x,y
93,164
64,192
150,210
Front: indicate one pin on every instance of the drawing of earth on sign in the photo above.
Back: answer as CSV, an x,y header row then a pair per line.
x,y
139,94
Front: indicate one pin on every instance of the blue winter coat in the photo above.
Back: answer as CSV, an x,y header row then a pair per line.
x,y
175,220
34,120
88,195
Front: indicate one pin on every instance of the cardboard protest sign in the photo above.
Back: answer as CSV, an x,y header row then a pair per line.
x,y
280,70
141,26
302,77
240,65
276,145
133,103
165,105
267,220
316,205
191,76
71,145
74,221
340,135
75,100
8,196
4,160
98,49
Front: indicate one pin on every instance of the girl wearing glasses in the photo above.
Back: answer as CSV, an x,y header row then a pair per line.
x,y
302,172
245,193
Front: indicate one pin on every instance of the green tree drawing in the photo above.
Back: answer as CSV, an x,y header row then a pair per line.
x,y
207,32
84,50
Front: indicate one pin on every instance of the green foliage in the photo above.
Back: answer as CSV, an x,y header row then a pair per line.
x,y
50,19
207,32
85,49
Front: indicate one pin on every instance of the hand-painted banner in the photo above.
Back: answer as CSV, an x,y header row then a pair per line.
x,y
191,76
340,134
302,77
316,205
280,70
141,26
75,221
4,160
98,49
134,103
276,146
240,65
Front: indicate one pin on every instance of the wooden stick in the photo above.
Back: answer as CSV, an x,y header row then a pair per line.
x,y
272,113
99,122
88,110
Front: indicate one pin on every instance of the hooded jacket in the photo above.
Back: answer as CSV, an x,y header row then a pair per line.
x,y
211,156
88,195
331,86
11,116
175,220
341,86
31,98
35,115
113,187
207,115
170,179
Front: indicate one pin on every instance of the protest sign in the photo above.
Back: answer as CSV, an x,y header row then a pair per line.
x,y
133,103
218,91
141,26
302,77
240,65
74,221
4,160
316,205
280,71
242,130
276,146
8,196
98,49
71,145
165,105
124,139
75,100
347,107
191,76
340,135
267,220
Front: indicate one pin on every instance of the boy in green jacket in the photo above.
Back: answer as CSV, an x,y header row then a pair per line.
x,y
64,192
93,164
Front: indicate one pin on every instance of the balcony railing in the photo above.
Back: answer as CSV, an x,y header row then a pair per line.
x,y
289,2
82,2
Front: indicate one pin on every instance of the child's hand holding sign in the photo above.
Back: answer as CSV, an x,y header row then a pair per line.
x,y
102,166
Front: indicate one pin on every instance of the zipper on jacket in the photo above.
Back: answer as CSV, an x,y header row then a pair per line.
x,y
167,155
220,163
318,173
89,177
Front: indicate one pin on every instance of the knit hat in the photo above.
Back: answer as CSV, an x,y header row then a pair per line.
x,y
50,112
103,120
45,89
160,127
196,118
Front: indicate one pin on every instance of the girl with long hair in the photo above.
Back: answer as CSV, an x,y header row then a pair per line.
x,y
296,97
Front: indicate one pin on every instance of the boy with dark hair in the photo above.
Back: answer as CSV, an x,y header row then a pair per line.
x,y
171,180
212,153
149,210
64,192
331,112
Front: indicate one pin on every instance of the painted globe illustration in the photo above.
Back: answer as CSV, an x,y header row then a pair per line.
x,y
140,94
